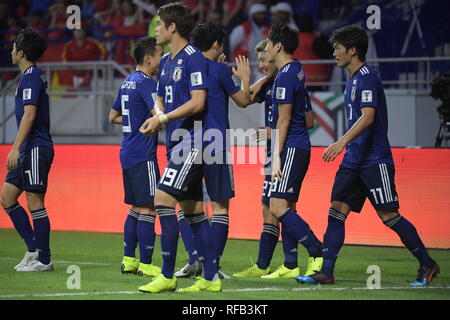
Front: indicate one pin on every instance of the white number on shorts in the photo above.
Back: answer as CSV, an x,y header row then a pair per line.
x,y
168,176
374,192
265,185
125,112
28,172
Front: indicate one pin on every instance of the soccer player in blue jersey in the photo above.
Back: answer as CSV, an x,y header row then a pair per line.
x,y
181,92
291,151
367,170
31,155
217,169
261,91
133,105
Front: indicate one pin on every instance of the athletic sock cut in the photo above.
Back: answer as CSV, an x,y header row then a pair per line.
x,y
169,239
21,222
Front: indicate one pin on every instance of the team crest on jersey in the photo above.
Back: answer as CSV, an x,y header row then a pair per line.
x,y
177,74
180,61
353,94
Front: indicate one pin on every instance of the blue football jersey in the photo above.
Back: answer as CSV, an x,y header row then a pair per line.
x,y
220,87
364,89
265,94
289,88
135,100
32,89
178,76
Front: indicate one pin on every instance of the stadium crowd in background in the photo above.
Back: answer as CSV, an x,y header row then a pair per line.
x,y
117,24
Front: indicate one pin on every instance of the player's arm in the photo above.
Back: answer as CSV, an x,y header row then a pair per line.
x,y
255,89
366,119
368,90
25,126
197,72
309,116
284,120
195,105
158,107
309,119
115,117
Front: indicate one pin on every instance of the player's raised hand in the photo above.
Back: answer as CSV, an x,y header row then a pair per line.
x,y
332,151
222,58
150,126
242,69
12,161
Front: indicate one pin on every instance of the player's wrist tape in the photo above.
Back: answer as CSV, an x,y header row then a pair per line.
x,y
163,118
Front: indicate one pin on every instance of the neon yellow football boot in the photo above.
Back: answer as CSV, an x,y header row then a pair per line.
x,y
253,271
283,273
129,265
160,284
148,270
204,285
314,265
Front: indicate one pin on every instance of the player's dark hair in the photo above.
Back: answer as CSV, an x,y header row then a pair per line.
x,y
352,36
281,33
204,35
32,43
179,14
143,46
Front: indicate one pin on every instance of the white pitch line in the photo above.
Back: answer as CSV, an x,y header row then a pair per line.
x,y
317,288
70,262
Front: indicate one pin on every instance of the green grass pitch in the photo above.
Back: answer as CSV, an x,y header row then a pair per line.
x,y
98,256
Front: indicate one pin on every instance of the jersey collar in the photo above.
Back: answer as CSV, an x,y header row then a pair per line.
x,y
357,70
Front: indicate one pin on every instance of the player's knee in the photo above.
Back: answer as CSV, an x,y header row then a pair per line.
x,y
5,201
35,201
387,215
220,207
341,207
267,215
278,207
164,199
146,209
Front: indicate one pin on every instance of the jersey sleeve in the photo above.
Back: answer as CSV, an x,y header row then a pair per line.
x,y
116,105
147,90
31,88
197,71
368,90
285,88
226,79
